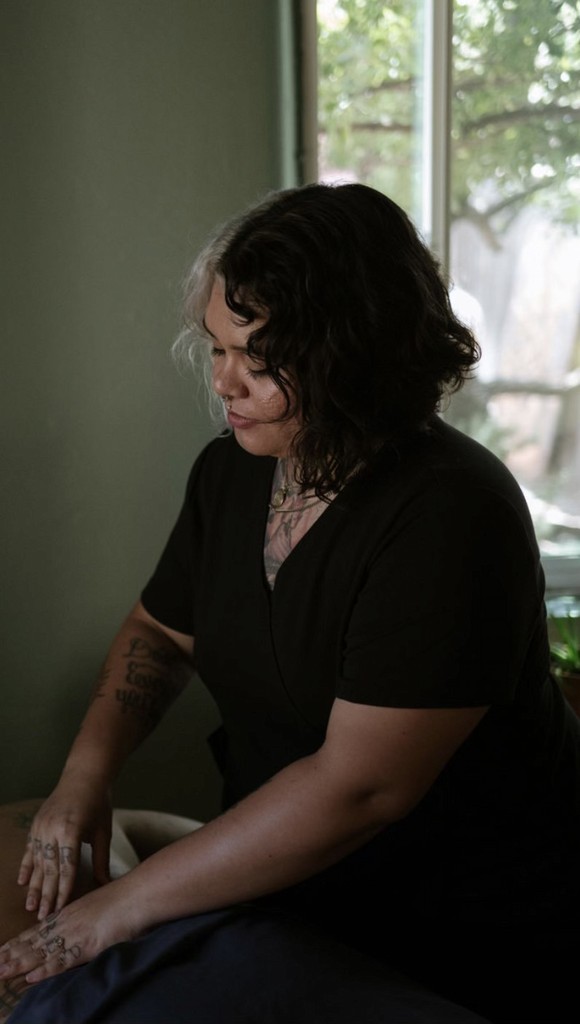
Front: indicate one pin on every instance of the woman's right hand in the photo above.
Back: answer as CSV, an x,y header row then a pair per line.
x,y
78,810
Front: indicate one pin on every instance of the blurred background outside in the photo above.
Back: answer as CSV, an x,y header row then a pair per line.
x,y
511,94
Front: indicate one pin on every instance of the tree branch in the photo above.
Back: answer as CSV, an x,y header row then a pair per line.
x,y
518,197
381,126
482,218
388,85
521,114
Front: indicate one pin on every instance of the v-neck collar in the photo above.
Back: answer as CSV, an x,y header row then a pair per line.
x,y
304,542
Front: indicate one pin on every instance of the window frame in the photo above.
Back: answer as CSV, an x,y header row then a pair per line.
x,y
562,572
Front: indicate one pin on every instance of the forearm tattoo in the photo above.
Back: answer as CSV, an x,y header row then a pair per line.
x,y
100,682
153,678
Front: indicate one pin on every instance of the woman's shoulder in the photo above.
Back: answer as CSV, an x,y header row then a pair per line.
x,y
436,457
475,476
440,485
447,468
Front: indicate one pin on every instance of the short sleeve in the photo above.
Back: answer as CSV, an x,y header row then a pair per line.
x,y
446,612
169,594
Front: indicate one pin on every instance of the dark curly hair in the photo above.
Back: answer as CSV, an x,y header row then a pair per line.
x,y
359,333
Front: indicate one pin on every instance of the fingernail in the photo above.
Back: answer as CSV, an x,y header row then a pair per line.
x,y
31,903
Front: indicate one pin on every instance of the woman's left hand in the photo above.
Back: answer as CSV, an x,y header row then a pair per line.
x,y
69,938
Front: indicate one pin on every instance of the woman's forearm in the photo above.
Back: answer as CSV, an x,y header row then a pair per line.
x,y
375,765
286,831
293,827
142,675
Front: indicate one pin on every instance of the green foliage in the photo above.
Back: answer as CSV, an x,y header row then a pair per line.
x,y
515,101
564,617
566,654
368,68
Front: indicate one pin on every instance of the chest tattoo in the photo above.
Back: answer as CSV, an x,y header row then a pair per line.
x,y
283,533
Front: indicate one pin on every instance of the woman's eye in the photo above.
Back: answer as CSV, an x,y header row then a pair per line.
x,y
255,368
258,369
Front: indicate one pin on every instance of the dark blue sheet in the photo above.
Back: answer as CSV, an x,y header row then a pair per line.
x,y
239,966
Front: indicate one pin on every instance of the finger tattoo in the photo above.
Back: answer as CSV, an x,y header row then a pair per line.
x,y
66,855
57,942
48,926
12,990
68,956
50,851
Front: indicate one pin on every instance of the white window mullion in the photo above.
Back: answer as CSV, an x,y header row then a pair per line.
x,y
436,126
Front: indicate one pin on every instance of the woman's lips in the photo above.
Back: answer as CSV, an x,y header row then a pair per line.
x,y
239,422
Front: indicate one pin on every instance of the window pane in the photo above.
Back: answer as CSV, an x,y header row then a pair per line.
x,y
515,205
370,96
515,249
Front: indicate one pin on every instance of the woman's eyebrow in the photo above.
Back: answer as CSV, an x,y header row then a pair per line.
x,y
206,328
234,348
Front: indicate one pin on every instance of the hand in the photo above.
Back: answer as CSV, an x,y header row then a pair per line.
x,y
69,938
77,811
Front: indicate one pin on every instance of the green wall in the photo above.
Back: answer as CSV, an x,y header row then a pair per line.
x,y
133,127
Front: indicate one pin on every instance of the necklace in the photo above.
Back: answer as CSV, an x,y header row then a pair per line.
x,y
279,496
284,491
297,510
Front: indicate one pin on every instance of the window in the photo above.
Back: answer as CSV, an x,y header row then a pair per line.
x,y
467,113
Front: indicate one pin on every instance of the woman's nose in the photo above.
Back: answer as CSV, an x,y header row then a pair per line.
x,y
227,379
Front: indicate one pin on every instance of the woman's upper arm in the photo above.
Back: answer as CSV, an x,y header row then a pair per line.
x,y
392,756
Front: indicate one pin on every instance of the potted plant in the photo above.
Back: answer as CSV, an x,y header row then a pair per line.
x,y
565,648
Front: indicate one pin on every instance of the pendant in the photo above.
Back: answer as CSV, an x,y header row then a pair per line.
x,y
279,497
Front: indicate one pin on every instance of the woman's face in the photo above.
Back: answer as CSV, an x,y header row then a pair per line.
x,y
255,406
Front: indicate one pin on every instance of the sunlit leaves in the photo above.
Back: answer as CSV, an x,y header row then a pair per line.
x,y
515,106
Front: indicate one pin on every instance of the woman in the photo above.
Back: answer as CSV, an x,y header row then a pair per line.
x,y
364,589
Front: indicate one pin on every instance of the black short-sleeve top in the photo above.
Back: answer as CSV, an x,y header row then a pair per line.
x,y
419,586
